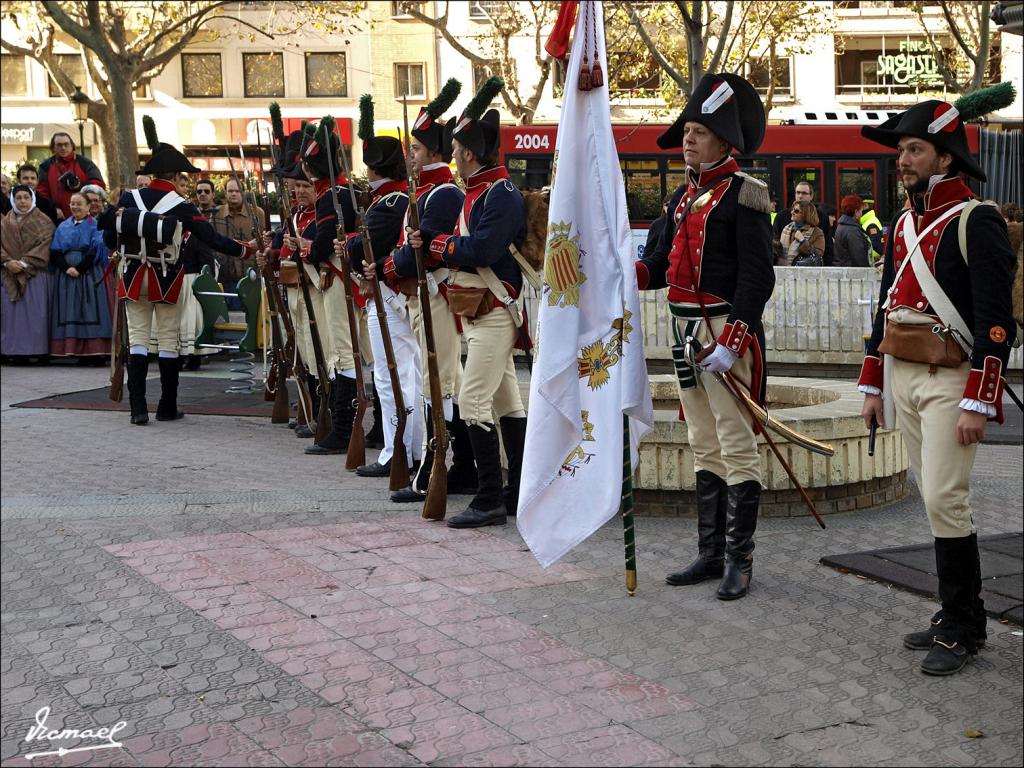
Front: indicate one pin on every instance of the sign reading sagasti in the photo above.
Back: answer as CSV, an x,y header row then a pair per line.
x,y
914,64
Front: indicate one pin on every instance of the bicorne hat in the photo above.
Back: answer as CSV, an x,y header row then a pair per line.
x,y
324,141
729,107
942,124
378,151
428,128
481,135
165,158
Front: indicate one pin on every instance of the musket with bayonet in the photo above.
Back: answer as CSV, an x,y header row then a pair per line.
x,y
399,478
435,505
355,456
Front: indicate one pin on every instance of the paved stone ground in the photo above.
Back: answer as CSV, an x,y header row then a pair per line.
x,y
235,602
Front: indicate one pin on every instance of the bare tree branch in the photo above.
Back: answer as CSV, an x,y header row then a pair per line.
x,y
87,37
671,71
441,25
717,56
955,31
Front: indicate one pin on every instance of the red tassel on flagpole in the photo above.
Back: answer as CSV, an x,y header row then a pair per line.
x,y
584,81
596,75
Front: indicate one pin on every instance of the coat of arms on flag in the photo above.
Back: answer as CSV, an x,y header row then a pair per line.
x,y
562,271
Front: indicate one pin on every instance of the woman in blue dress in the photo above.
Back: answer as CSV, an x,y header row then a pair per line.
x,y
81,320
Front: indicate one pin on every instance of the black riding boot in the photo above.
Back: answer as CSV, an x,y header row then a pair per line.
x,y
958,566
138,368
375,437
513,435
167,408
488,506
342,413
712,496
740,523
462,477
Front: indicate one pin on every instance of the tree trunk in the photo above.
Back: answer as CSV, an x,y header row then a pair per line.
x,y
119,138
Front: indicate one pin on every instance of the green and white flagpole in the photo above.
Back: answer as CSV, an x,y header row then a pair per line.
x,y
627,509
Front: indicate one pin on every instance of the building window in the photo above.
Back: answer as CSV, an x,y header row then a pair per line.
x,y
326,74
263,74
201,75
410,81
12,76
72,65
757,74
486,9
399,8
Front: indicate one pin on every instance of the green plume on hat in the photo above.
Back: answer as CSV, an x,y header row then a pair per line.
x,y
149,129
976,104
444,99
483,97
308,128
366,117
324,131
277,124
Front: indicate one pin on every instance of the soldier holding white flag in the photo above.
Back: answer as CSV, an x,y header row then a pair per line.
x,y
716,259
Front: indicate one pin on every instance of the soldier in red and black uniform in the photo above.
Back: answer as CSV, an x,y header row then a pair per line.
x,y
153,290
944,336
715,257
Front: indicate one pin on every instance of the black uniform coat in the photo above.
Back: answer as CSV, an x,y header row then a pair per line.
x,y
385,216
979,288
322,249
438,202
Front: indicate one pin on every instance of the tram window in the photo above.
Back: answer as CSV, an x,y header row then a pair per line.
x,y
529,172
643,189
675,176
857,181
756,168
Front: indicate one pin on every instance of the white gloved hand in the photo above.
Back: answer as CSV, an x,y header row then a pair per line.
x,y
720,360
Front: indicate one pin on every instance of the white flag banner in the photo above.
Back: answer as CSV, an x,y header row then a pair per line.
x,y
590,368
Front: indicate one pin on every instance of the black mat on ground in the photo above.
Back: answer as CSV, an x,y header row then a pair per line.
x,y
913,569
198,395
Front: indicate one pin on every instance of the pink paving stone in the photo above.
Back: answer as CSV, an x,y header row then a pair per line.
x,y
222,596
205,744
333,603
448,737
354,749
300,547
266,637
454,565
533,652
556,574
402,707
348,560
448,666
578,674
312,583
318,657
543,718
413,552
297,726
641,700
250,614
277,536
217,541
362,578
357,682
369,621
478,584
508,560
489,630
492,691
478,542
448,611
510,754
413,593
354,528
392,645
607,746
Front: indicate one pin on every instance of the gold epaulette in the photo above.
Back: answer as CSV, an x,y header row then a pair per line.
x,y
754,193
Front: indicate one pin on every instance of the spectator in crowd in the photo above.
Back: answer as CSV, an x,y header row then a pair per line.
x,y
877,238
238,220
25,236
852,246
142,181
5,194
65,173
1011,212
81,318
802,238
205,198
804,192
29,176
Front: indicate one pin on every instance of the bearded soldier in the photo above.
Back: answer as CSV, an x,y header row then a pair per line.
x,y
151,274
384,214
439,201
945,333
326,274
716,259
484,288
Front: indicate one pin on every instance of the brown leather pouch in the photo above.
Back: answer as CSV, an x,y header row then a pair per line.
x,y
408,286
470,302
288,274
920,344
326,278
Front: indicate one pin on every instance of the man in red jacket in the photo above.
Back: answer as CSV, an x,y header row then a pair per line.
x,y
63,174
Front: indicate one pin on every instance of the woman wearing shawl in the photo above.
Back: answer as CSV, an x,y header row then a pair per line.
x,y
81,322
25,235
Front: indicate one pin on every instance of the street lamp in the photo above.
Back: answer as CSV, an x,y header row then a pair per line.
x,y
80,111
